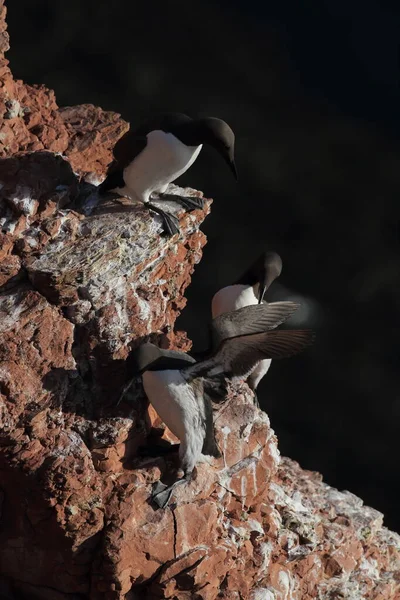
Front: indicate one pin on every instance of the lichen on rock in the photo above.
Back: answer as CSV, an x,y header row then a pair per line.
x,y
83,281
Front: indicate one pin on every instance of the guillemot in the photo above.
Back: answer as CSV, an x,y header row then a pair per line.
x,y
229,324
183,407
149,158
249,290
174,383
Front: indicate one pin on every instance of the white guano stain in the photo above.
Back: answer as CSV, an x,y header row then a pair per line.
x,y
262,594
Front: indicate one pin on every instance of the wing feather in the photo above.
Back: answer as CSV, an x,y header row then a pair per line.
x,y
240,355
250,320
237,357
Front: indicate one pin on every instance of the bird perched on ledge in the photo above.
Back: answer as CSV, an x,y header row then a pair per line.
x,y
248,290
174,383
148,159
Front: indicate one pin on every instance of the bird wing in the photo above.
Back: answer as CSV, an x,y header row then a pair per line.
x,y
128,147
132,143
125,150
135,140
236,357
250,320
242,354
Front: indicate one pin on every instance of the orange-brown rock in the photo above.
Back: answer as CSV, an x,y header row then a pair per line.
x,y
31,120
82,282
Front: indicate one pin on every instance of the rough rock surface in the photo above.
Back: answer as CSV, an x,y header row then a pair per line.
x,y
81,282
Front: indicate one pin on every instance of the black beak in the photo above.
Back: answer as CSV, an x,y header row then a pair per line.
x,y
261,292
227,155
232,167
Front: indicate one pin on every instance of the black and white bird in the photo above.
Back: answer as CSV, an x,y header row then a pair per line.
x,y
148,159
249,290
174,382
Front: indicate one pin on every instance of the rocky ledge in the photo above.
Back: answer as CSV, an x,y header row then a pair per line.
x,y
82,282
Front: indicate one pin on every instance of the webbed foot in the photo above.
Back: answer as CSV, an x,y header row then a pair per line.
x,y
170,222
188,202
161,493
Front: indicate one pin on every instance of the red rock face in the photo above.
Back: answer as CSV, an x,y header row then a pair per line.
x,y
82,282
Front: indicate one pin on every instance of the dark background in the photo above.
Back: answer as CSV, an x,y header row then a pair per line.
x,y
312,91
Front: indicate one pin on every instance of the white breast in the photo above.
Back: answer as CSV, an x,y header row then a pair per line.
x,y
173,399
259,371
162,161
231,298
234,297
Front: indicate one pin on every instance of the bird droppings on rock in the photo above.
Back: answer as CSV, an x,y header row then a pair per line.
x,y
77,291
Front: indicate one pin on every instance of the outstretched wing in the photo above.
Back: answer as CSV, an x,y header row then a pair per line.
x,y
242,354
250,320
237,357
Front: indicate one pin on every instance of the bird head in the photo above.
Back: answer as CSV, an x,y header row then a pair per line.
x,y
216,133
262,273
143,356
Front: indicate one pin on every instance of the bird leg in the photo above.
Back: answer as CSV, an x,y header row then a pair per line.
x,y
156,450
161,493
252,383
256,402
188,202
124,390
170,222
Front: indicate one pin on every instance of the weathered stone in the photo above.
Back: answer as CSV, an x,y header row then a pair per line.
x,y
92,133
81,283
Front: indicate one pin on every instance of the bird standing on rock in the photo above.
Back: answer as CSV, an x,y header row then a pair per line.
x,y
148,159
173,381
248,290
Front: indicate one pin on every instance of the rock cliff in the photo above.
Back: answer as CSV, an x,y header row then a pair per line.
x,y
82,282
